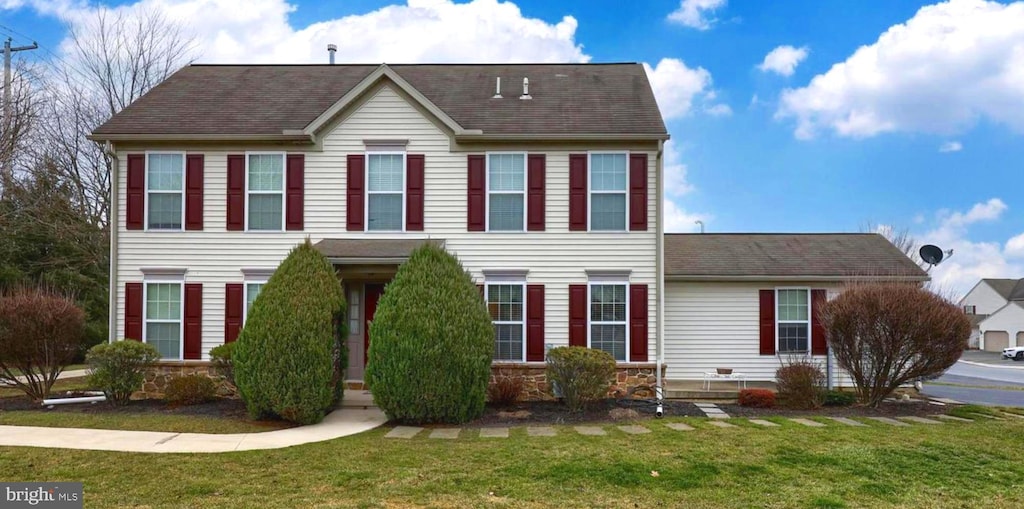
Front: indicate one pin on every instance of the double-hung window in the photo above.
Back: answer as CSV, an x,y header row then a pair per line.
x,y
608,192
265,186
165,191
608,318
163,328
506,192
385,190
252,290
793,320
505,303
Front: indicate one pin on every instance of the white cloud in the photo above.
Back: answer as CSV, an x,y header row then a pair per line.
x,y
718,110
694,13
951,146
1015,247
676,183
678,220
677,86
783,60
946,68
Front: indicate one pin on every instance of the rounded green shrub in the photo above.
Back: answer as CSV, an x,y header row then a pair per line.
x,y
220,359
119,368
579,374
190,390
431,342
289,359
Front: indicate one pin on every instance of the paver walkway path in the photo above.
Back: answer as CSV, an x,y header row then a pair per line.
x,y
712,410
339,423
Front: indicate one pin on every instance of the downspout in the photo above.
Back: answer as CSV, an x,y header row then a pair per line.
x,y
660,269
112,222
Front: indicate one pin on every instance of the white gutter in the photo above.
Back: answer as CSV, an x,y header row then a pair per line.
x,y
112,222
660,269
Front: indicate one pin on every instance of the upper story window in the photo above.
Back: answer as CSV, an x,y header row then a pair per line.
x,y
164,319
265,191
506,192
505,301
165,191
608,318
793,320
608,191
385,189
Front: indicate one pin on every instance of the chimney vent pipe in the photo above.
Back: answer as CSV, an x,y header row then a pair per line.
x,y
332,49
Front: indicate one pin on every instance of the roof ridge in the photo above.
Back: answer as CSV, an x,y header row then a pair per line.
x,y
773,233
409,64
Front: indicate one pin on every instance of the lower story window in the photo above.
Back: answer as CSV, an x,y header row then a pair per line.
x,y
793,320
608,319
252,290
163,318
505,303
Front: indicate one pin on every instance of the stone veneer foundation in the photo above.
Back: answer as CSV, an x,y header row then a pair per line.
x,y
156,378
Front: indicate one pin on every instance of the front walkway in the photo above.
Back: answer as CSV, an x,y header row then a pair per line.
x,y
77,373
340,423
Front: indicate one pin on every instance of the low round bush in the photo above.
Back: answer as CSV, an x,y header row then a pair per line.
x,y
190,390
220,359
118,369
579,374
431,342
757,398
840,398
289,359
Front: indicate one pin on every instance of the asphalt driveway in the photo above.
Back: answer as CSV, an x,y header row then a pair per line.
x,y
982,378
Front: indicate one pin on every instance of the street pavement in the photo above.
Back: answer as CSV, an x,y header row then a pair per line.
x,y
982,378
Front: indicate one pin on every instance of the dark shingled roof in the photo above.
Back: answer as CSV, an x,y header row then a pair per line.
x,y
784,255
267,99
1009,289
370,248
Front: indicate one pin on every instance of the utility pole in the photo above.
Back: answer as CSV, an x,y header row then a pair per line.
x,y
8,169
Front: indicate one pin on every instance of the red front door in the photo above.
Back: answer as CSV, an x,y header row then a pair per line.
x,y
373,292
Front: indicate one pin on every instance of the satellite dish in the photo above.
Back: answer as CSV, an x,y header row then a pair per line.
x,y
932,255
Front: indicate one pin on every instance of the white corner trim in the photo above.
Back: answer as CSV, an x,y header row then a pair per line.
x,y
163,273
257,274
612,275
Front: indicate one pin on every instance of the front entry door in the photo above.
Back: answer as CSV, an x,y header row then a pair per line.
x,y
373,292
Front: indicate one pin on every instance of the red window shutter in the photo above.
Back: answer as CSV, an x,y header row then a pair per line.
x,y
414,175
535,169
234,302
355,192
534,323
194,191
578,315
638,323
638,192
135,215
295,192
193,321
819,342
476,206
578,192
767,322
236,192
133,311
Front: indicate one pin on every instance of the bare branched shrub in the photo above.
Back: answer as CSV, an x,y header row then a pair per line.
x,y
40,333
889,334
801,383
505,390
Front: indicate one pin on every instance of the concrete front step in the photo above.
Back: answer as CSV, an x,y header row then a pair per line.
x,y
698,394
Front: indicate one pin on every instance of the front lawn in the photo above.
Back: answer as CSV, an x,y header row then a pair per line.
x,y
951,465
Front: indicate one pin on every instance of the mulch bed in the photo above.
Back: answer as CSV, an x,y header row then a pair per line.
x,y
920,408
553,412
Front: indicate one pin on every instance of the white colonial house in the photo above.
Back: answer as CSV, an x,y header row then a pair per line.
x,y
996,308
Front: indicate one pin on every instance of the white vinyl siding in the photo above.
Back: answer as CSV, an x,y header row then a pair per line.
x,y
163,316
792,320
506,304
506,192
607,192
165,190
607,319
265,192
555,257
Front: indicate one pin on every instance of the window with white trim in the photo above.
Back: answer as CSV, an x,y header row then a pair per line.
x,y
252,290
505,302
165,191
265,192
385,191
793,320
608,192
608,329
506,192
163,327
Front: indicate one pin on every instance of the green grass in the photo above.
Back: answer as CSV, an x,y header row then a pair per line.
x,y
135,422
64,384
952,465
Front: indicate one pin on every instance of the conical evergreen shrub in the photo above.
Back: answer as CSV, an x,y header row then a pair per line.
x,y
431,342
290,356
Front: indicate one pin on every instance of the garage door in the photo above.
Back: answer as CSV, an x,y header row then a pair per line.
x,y
995,341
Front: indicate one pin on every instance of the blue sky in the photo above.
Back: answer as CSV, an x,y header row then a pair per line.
x,y
921,129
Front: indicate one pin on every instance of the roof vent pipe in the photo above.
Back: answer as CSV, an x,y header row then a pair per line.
x,y
526,89
497,89
332,49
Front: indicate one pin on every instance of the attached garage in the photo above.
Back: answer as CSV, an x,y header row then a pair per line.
x,y
996,340
1003,328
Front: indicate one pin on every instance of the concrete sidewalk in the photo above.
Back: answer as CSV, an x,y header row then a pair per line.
x,y
77,373
339,423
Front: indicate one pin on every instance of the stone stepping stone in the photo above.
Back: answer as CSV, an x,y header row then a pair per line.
x,y
634,430
705,405
493,432
947,401
445,433
721,424
985,416
403,432
886,420
1010,414
679,426
808,422
920,420
591,431
848,422
762,422
540,431
951,418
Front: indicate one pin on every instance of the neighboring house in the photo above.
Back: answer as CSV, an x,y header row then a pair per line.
x,y
996,308
549,197
750,301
